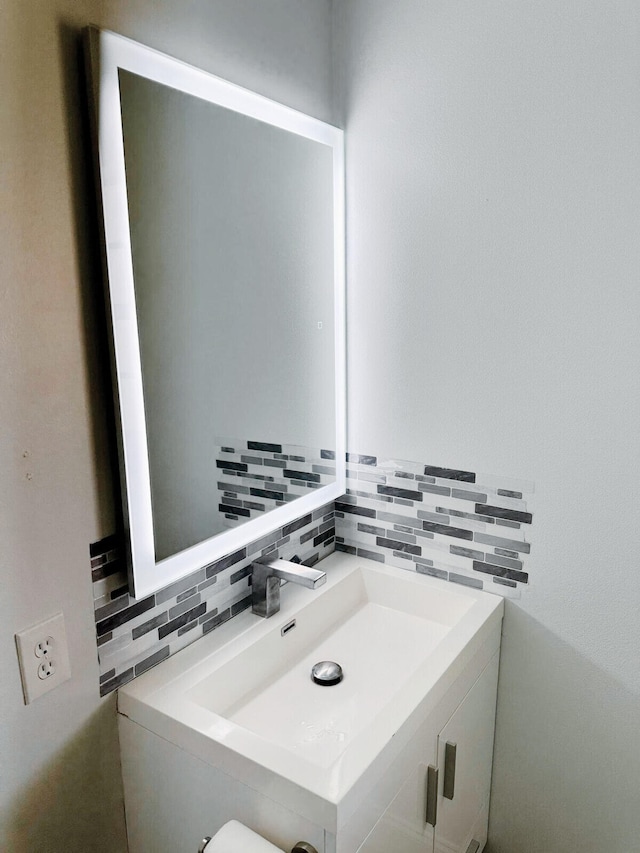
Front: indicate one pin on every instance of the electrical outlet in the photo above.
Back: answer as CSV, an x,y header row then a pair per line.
x,y
43,657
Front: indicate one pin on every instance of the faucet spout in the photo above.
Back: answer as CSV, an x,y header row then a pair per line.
x,y
266,577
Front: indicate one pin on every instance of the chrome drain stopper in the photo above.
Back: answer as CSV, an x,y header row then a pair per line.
x,y
326,673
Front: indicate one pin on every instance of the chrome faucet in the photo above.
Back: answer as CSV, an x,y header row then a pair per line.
x,y
266,577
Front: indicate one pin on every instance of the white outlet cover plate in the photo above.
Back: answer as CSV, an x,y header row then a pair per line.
x,y
26,641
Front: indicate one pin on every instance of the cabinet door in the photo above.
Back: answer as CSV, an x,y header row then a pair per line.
x,y
465,768
403,827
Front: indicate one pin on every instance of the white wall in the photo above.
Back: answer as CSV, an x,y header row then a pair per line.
x,y
60,788
493,162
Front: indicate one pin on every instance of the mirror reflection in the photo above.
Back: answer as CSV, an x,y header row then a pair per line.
x,y
231,225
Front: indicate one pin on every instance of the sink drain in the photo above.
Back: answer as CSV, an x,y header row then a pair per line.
x,y
326,673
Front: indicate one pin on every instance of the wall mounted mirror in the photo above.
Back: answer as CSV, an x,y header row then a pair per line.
x,y
224,246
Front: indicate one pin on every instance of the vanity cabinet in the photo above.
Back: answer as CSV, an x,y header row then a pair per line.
x,y
368,768
452,793
462,811
174,799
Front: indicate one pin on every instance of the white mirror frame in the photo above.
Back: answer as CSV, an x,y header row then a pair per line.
x,y
107,53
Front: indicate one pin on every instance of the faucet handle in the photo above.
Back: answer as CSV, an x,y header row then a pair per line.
x,y
295,572
265,582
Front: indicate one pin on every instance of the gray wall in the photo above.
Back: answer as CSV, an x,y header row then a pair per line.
x,y
60,787
493,266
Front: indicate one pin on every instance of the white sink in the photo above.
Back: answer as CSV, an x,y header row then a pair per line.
x,y
377,629
242,698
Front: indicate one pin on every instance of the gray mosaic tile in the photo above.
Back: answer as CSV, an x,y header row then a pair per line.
x,y
181,620
210,624
509,494
268,447
508,562
310,534
424,534
436,490
118,681
111,608
176,588
259,507
220,565
187,594
190,626
466,552
431,571
370,555
505,582
511,544
189,604
401,537
324,469
297,524
152,660
156,622
126,615
448,521
352,524
505,552
397,492
439,518
241,605
449,473
465,581
361,460
446,530
397,545
500,572
401,555
397,518
107,676
239,575
504,514
463,495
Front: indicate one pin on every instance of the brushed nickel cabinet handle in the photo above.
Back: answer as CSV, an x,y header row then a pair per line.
x,y
432,795
449,781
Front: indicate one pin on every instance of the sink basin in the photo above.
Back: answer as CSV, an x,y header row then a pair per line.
x,y
243,698
377,629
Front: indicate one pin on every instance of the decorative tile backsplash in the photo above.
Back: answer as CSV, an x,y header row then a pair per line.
x,y
256,476
467,528
135,634
451,524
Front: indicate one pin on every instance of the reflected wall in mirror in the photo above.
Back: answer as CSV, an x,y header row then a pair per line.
x,y
224,237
